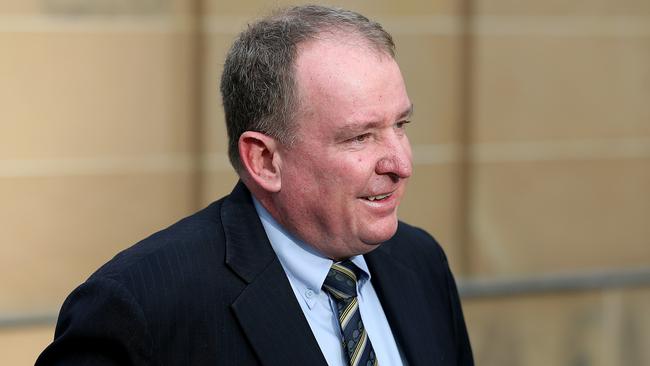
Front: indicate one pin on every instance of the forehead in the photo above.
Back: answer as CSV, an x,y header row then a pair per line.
x,y
344,79
336,57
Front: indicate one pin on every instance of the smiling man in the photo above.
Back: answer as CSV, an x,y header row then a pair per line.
x,y
338,185
305,262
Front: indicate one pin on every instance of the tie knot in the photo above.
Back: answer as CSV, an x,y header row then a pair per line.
x,y
341,280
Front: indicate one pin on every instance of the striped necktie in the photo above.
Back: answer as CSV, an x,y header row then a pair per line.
x,y
341,283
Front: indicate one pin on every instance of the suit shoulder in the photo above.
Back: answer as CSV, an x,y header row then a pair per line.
x,y
413,240
199,232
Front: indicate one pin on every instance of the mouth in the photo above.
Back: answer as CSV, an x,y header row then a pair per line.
x,y
379,197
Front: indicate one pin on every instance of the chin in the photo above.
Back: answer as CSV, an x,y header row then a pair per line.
x,y
382,233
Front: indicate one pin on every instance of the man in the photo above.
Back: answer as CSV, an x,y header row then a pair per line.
x,y
305,262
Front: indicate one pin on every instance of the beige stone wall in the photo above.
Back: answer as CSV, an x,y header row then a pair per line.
x,y
98,131
559,177
531,138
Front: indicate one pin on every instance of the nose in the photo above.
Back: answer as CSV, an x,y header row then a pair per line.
x,y
396,159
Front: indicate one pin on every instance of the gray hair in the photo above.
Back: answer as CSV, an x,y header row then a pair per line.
x,y
257,85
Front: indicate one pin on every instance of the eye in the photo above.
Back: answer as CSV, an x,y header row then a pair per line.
x,y
401,125
360,138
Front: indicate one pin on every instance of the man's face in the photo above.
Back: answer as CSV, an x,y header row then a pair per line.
x,y
344,177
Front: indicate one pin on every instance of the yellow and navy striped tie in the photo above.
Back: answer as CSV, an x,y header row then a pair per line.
x,y
341,283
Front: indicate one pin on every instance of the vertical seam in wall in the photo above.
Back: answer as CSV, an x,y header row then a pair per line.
x,y
465,97
198,117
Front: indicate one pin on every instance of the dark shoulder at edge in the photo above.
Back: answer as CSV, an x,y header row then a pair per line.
x,y
414,241
197,229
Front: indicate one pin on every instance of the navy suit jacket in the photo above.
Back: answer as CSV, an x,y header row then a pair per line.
x,y
209,290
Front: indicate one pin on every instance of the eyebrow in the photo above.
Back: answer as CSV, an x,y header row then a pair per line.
x,y
354,128
407,113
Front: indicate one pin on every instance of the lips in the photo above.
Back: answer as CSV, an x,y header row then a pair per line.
x,y
378,197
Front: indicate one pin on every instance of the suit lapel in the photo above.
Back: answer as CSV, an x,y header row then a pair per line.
x,y
404,302
267,309
276,327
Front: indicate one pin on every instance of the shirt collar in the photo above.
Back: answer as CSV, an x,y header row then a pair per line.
x,y
302,262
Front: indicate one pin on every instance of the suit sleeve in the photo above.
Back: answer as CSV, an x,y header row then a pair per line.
x,y
100,323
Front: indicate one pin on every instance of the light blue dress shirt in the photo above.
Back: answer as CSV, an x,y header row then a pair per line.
x,y
306,270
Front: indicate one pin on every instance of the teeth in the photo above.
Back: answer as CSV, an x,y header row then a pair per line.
x,y
380,197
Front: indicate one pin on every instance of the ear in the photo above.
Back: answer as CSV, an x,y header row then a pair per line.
x,y
259,155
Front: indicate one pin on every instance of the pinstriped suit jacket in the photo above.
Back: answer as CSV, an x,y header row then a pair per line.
x,y
209,290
